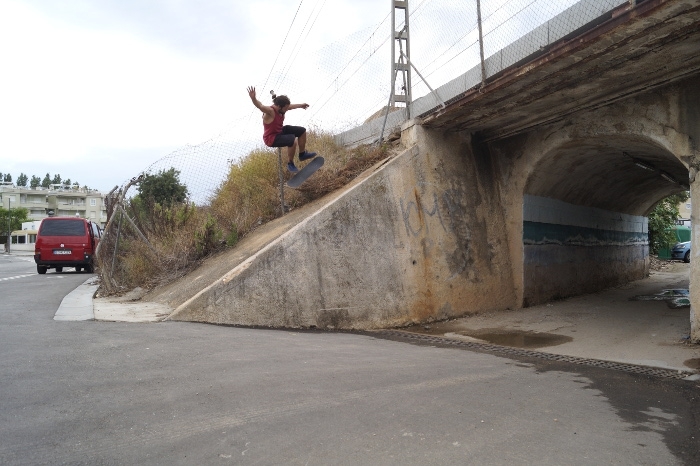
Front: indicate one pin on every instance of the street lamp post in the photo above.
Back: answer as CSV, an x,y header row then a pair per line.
x,y
9,225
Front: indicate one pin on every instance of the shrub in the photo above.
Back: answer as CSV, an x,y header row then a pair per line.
x,y
178,235
662,218
207,238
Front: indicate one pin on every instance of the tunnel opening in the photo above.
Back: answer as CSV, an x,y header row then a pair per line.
x,y
584,214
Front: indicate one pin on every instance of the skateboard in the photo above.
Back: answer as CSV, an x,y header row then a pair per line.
x,y
305,172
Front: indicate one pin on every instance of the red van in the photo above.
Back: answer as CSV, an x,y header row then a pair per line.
x,y
66,242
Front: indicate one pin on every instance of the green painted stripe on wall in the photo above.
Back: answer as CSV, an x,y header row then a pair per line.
x,y
535,233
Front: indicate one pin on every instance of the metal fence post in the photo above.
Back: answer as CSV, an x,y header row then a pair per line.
x,y
481,43
116,244
281,173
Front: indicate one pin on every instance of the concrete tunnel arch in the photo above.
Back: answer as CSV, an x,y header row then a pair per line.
x,y
619,173
585,203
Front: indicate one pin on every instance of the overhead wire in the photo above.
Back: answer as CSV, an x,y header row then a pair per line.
x,y
411,15
350,61
283,42
414,12
356,90
297,46
250,115
509,18
476,41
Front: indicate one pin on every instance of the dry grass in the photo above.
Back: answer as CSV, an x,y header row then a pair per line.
x,y
337,172
176,239
180,236
250,195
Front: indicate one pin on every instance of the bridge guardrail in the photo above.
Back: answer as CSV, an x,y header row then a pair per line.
x,y
583,15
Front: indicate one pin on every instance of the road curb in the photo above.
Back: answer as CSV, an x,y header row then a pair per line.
x,y
77,305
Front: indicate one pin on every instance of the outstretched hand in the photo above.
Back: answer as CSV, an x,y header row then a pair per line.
x,y
251,92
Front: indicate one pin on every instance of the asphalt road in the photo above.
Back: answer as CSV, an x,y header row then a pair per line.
x,y
192,394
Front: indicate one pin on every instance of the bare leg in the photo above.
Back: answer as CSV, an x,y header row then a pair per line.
x,y
302,142
291,150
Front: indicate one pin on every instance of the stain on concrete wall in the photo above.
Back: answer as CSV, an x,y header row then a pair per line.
x,y
445,228
414,242
462,241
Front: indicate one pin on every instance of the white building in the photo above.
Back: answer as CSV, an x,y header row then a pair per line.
x,y
23,240
684,210
63,200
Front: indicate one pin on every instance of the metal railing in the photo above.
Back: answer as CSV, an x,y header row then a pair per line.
x,y
511,32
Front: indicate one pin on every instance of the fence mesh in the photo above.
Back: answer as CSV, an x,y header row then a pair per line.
x,y
352,77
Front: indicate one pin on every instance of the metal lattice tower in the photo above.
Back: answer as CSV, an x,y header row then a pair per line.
x,y
400,62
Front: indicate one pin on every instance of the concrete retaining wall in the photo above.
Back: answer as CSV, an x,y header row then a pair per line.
x,y
416,241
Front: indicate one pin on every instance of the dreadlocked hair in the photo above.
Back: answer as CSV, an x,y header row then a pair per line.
x,y
280,101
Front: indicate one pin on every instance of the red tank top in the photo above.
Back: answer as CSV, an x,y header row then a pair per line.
x,y
274,128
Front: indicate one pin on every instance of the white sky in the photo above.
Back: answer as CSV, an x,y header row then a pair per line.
x,y
97,90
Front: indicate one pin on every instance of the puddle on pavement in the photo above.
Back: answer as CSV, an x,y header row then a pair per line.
x,y
518,338
675,298
692,363
513,338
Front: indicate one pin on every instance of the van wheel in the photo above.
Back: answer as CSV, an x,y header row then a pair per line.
x,y
41,269
686,258
59,269
89,269
78,269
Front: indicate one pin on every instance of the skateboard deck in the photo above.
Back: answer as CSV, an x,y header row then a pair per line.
x,y
305,172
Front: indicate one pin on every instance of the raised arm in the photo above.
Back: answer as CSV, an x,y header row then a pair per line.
x,y
263,108
293,106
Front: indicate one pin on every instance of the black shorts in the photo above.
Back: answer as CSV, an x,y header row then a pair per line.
x,y
287,136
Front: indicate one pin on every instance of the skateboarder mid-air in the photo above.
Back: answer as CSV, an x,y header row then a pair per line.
x,y
276,133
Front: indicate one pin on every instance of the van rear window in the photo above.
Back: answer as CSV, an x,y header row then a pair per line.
x,y
65,227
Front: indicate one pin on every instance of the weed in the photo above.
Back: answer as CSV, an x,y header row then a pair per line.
x,y
232,237
207,238
180,236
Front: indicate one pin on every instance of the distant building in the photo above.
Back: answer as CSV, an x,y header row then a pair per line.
x,y
57,200
23,240
684,213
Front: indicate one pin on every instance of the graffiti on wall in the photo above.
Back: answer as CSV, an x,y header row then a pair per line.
x,y
444,211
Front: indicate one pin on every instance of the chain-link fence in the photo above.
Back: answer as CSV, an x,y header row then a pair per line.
x,y
351,79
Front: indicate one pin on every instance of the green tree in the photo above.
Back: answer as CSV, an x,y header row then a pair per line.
x,y
67,182
662,218
35,182
56,179
46,182
16,217
163,188
8,178
22,180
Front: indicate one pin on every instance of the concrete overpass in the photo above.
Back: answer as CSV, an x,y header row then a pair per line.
x,y
531,188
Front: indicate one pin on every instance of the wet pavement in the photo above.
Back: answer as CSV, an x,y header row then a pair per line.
x,y
97,392
646,322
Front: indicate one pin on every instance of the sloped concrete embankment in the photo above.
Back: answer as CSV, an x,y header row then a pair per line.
x,y
412,242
